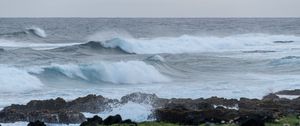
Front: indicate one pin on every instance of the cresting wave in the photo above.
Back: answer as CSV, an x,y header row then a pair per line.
x,y
13,79
33,31
129,72
37,31
192,44
90,46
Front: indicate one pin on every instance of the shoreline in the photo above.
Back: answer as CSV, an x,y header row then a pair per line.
x,y
176,110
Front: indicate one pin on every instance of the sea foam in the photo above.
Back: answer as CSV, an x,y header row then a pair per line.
x,y
192,44
13,79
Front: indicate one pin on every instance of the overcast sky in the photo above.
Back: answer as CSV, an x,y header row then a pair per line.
x,y
149,8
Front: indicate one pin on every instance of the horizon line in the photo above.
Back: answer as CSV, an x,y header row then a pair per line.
x,y
143,17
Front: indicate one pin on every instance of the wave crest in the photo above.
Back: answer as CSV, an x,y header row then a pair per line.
x,y
91,46
37,31
192,44
130,72
31,31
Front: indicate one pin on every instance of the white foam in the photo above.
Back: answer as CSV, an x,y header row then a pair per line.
x,y
38,46
108,35
190,44
134,111
16,80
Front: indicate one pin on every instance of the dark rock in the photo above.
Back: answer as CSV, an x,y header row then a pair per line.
x,y
96,120
181,114
128,121
117,119
182,111
139,97
252,120
144,98
7,116
36,123
271,97
222,101
51,104
91,103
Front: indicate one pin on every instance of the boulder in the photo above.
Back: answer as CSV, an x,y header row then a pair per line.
x,y
271,97
96,120
91,104
128,121
144,98
36,123
117,119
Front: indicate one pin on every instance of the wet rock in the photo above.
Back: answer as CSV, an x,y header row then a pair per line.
x,y
117,119
139,97
187,115
222,102
91,103
10,115
144,98
52,104
96,120
36,123
271,97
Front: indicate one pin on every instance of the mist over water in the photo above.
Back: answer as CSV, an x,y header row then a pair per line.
x,y
68,58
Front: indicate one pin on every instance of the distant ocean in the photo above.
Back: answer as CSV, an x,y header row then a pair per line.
x,y
42,58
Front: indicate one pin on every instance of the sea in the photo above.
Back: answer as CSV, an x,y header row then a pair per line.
x,y
44,58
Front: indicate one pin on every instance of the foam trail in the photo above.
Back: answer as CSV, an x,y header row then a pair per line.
x,y
134,111
38,46
191,44
16,80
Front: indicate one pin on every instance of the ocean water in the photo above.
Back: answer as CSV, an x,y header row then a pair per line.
x,y
42,58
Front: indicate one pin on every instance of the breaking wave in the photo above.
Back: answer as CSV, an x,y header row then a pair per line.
x,y
37,31
129,72
192,44
13,79
24,44
90,46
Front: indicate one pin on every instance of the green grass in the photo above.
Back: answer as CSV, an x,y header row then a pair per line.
x,y
291,120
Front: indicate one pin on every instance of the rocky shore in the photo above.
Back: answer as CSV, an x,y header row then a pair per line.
x,y
243,111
